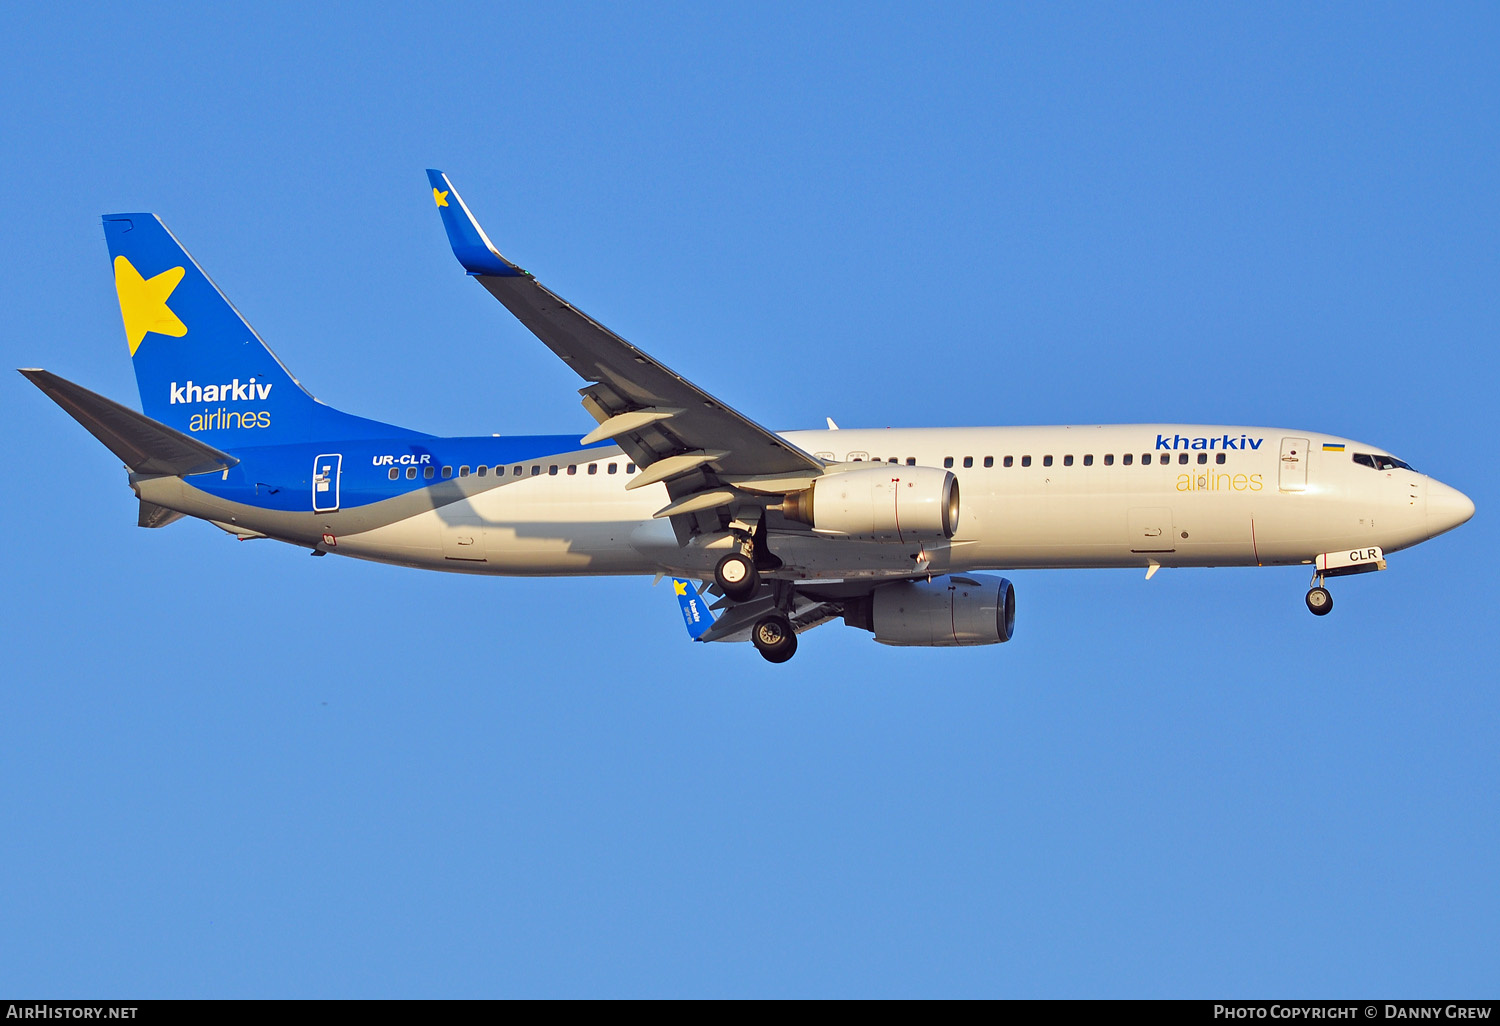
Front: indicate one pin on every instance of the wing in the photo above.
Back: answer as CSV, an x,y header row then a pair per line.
x,y
707,453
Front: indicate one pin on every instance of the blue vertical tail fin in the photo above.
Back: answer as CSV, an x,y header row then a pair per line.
x,y
200,368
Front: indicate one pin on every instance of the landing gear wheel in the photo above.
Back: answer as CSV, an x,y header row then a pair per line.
x,y
736,576
774,638
1320,602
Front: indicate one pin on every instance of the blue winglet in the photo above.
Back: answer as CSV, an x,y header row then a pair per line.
x,y
695,612
472,247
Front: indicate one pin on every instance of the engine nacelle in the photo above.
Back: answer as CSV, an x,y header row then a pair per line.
x,y
882,501
955,609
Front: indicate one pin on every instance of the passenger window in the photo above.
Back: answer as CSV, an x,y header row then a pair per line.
x,y
1046,461
630,468
593,468
911,461
572,468
968,461
411,473
395,473
1202,458
552,470
1109,459
429,472
1146,459
614,467
535,469
947,461
1010,461
1088,461
1219,458
989,461
1182,458
481,471
463,471
1067,461
447,472
514,473
1128,458
1025,461
893,460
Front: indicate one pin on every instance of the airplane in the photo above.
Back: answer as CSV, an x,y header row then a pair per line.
x,y
899,532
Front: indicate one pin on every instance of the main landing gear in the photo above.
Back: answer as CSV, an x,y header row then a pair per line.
x,y
1319,599
737,577
774,638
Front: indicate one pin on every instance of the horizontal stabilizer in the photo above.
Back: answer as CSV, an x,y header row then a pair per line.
x,y
143,445
153,515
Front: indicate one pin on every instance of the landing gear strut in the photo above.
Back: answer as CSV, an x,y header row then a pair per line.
x,y
1319,600
774,638
736,576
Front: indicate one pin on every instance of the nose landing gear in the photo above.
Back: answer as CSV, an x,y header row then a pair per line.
x,y
1319,599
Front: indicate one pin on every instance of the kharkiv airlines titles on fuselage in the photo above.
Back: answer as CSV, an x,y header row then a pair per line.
x,y
1214,442
227,392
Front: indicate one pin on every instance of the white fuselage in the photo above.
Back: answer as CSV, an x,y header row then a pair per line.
x,y
1072,496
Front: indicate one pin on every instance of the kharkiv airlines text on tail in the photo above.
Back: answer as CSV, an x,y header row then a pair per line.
x,y
892,530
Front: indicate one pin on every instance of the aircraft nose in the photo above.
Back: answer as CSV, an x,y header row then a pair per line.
x,y
1447,507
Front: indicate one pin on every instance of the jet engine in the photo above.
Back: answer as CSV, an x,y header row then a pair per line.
x,y
882,501
955,609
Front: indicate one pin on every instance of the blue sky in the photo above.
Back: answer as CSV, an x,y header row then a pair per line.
x,y
229,769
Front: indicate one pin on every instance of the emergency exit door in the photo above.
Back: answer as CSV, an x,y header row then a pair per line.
x,y
326,472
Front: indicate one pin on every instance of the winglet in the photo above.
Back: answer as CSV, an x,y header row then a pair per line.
x,y
695,612
473,248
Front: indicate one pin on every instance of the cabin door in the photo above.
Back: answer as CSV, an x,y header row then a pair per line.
x,y
1294,464
327,469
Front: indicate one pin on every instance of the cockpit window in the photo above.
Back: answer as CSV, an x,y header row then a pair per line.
x,y
1375,461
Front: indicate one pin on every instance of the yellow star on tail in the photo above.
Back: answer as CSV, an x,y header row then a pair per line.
x,y
143,302
680,587
440,196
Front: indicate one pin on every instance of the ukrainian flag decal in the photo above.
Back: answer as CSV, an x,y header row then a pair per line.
x,y
1333,447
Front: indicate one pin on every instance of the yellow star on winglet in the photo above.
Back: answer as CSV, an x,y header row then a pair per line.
x,y
679,587
143,302
440,196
